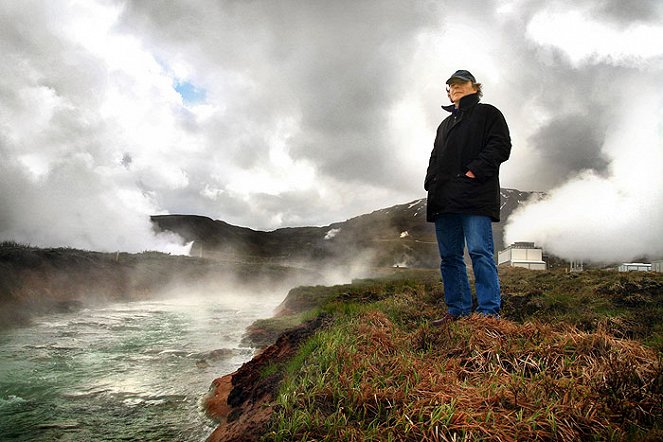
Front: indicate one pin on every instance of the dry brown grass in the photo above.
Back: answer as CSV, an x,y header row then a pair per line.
x,y
478,379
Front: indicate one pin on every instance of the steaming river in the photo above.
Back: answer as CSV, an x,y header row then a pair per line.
x,y
128,371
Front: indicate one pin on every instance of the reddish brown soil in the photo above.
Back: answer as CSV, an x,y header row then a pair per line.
x,y
242,401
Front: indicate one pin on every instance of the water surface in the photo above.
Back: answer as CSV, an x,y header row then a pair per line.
x,y
127,371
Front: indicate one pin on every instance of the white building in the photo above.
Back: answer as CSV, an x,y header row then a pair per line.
x,y
522,254
657,266
576,266
634,267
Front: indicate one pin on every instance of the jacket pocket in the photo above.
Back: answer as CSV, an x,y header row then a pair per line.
x,y
465,192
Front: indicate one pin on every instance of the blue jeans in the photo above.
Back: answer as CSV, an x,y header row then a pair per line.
x,y
452,230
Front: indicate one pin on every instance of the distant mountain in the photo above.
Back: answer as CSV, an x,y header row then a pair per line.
x,y
395,236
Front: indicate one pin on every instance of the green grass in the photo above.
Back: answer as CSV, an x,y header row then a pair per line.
x,y
560,370
629,305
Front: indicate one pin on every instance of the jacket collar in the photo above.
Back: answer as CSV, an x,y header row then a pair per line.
x,y
465,103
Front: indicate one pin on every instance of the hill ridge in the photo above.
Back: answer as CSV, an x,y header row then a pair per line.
x,y
390,236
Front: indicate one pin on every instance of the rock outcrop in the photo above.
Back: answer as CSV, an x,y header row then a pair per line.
x,y
242,401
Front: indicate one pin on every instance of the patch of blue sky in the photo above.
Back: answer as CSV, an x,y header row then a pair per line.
x,y
191,94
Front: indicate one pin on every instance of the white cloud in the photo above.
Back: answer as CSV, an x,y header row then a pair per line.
x,y
308,120
277,173
67,123
584,39
606,218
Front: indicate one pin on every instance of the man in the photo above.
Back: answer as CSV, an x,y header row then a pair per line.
x,y
464,195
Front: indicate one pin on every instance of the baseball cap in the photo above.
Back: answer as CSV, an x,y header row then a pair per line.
x,y
462,75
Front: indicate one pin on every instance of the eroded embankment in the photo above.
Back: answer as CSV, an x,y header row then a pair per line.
x,y
242,401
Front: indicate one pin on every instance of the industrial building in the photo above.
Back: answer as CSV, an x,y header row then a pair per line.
x,y
657,266
634,267
522,254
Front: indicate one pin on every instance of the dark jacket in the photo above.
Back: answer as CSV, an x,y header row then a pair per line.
x,y
474,137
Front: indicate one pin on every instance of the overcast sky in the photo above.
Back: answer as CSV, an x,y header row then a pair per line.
x,y
287,113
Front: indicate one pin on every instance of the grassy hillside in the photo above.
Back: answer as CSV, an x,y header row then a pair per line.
x,y
576,357
629,305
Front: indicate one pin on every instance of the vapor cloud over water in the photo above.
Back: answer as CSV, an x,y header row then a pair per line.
x,y
269,114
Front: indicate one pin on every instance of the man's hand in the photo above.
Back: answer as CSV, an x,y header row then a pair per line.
x,y
470,174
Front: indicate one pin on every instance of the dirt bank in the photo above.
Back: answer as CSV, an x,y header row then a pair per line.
x,y
242,402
